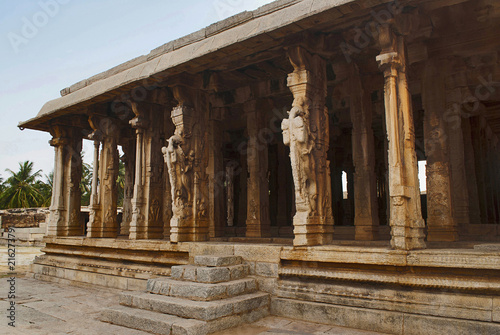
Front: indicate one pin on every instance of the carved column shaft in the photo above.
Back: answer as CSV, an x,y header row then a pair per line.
x,y
479,167
459,186
64,219
282,176
405,214
103,222
128,189
258,223
305,132
94,217
440,221
147,203
95,175
470,168
216,174
366,220
491,175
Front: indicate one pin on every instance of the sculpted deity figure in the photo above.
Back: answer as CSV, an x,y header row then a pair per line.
x,y
175,158
297,135
180,170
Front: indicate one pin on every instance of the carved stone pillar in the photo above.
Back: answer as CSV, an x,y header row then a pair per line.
x,y
216,173
186,157
490,173
477,144
305,133
258,222
454,131
282,174
406,220
470,168
103,221
441,224
147,203
128,159
64,218
94,217
363,152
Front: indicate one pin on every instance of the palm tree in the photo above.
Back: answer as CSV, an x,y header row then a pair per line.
x,y
45,189
22,189
2,185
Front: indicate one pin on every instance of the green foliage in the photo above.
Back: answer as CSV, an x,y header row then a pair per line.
x,y
23,189
120,183
2,185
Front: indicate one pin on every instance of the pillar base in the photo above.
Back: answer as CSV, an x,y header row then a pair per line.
x,y
407,236
148,233
255,228
103,234
366,233
442,234
311,230
188,230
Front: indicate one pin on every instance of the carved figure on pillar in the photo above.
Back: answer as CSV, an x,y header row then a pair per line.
x,y
305,134
177,168
187,173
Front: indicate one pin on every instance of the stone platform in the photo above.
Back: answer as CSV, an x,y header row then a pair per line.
x,y
368,286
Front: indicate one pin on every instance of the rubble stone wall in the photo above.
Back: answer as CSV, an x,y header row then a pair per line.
x,y
22,217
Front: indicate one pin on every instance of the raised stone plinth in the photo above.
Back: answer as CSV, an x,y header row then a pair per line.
x,y
209,296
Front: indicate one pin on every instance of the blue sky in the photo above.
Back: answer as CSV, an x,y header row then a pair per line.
x,y
46,45
71,40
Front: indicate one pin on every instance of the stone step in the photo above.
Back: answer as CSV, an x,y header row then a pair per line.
x,y
153,322
201,291
203,274
199,310
216,261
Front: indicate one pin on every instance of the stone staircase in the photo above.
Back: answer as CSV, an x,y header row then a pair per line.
x,y
211,295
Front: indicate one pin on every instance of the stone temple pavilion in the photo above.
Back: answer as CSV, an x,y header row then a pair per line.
x,y
236,140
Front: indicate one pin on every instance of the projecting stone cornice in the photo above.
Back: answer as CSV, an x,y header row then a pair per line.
x,y
253,31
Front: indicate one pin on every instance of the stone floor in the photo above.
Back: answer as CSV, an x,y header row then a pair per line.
x,y
50,308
